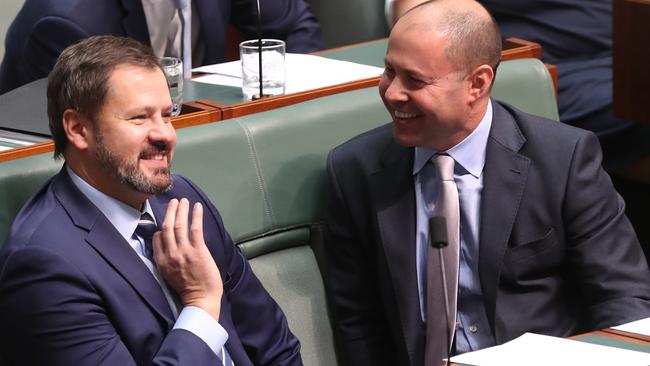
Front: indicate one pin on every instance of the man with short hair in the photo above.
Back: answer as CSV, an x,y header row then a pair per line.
x,y
83,278
538,239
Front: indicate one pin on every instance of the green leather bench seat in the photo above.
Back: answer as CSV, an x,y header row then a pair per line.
x,y
266,174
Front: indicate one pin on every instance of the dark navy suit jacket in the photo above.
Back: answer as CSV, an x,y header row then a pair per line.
x,y
43,28
557,255
74,292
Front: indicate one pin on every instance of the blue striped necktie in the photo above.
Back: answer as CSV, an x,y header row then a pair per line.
x,y
146,228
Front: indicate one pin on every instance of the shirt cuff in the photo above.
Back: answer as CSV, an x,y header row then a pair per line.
x,y
197,321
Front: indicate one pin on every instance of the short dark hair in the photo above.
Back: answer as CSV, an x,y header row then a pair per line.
x,y
79,79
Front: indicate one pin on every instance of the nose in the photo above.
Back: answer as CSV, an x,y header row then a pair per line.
x,y
394,90
162,130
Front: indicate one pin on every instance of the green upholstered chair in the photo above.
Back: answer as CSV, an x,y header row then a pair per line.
x,y
266,174
526,84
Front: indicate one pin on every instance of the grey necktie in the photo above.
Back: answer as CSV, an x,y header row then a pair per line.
x,y
185,14
437,327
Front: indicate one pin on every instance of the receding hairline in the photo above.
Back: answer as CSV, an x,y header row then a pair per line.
x,y
445,7
438,20
467,25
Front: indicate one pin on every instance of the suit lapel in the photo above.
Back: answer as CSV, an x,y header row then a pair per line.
x,y
505,177
134,21
108,242
393,192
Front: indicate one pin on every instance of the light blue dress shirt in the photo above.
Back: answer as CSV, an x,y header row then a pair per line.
x,y
472,327
125,219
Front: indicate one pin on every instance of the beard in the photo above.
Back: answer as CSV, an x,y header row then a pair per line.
x,y
128,173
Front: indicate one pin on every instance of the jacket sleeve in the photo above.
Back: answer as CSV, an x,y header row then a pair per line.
x,y
604,253
47,39
359,322
289,20
52,315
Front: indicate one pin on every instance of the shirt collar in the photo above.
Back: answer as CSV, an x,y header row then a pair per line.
x,y
469,153
123,217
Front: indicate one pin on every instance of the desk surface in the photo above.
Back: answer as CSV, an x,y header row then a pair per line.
x,y
367,53
612,338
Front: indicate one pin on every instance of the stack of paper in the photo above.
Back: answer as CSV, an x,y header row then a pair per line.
x,y
303,72
639,327
540,350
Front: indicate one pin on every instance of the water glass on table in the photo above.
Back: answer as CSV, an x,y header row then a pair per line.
x,y
273,71
173,69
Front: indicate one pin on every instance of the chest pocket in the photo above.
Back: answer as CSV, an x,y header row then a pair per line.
x,y
536,257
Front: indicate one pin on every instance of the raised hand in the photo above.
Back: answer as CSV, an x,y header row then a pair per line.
x,y
184,260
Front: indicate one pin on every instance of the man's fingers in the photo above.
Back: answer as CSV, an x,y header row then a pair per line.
x,y
196,229
182,219
157,244
168,237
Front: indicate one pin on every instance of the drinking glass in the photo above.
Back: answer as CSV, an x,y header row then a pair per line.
x,y
273,74
173,69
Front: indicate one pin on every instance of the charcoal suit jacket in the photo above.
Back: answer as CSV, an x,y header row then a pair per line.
x,y
557,255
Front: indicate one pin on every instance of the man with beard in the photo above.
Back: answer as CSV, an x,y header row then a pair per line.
x,y
82,279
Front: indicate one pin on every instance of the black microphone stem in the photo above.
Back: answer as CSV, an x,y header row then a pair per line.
x,y
438,239
259,44
447,315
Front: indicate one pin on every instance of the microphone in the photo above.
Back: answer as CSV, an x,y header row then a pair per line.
x,y
438,239
259,51
438,231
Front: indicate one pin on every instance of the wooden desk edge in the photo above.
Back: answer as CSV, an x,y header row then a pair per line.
x,y
524,48
25,151
628,335
246,108
205,114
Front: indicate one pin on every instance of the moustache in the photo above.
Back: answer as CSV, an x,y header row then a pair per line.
x,y
158,147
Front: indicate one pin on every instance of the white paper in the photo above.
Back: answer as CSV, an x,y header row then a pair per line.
x,y
639,327
303,72
540,350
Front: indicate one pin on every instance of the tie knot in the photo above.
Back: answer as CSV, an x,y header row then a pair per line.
x,y
146,227
181,4
445,165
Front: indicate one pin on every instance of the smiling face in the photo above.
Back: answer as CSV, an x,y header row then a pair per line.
x,y
131,143
434,102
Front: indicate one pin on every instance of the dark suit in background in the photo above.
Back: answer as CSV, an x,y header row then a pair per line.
x,y
43,28
94,302
557,254
576,36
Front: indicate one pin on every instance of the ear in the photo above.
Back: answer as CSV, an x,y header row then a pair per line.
x,y
480,82
77,128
